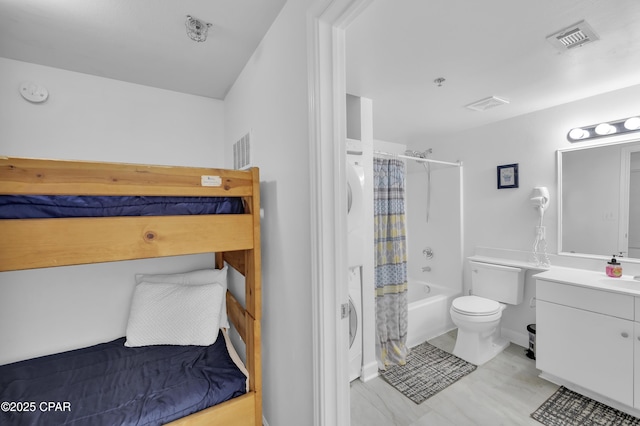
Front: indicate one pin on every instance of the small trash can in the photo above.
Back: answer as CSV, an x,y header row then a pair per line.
x,y
531,352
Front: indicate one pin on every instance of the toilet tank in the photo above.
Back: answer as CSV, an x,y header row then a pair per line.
x,y
497,282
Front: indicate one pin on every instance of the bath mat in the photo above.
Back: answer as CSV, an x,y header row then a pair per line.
x,y
428,370
568,408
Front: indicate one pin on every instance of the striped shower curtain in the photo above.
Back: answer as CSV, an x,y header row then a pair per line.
x,y
391,261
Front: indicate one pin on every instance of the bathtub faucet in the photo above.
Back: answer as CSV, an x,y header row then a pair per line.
x,y
426,269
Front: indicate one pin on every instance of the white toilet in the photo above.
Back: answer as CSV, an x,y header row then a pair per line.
x,y
478,316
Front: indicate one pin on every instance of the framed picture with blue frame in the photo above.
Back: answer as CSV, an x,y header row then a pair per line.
x,y
508,176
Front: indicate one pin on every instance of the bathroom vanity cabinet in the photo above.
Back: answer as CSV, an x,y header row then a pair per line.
x,y
588,339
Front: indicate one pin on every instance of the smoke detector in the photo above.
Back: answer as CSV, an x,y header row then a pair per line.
x,y
486,103
576,35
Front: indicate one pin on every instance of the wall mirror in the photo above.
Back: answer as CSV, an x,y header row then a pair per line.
x,y
599,200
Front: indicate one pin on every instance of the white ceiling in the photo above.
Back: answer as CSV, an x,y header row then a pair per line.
x,y
396,48
139,41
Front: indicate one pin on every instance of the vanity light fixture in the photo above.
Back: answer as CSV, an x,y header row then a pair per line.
x,y
616,127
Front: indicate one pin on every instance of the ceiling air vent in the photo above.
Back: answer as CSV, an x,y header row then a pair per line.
x,y
486,103
574,36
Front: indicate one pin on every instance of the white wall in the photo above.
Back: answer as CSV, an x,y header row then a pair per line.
x,y
504,218
270,99
92,118
442,232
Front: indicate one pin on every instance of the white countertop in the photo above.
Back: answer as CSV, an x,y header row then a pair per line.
x,y
574,276
592,279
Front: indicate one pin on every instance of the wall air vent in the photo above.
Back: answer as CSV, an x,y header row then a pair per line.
x,y
487,103
242,153
574,36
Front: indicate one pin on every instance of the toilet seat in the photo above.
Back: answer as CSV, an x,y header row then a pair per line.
x,y
475,306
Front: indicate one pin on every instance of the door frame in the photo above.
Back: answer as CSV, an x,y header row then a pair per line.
x,y
327,21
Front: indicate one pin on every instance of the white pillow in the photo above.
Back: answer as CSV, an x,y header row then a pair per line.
x,y
199,277
174,314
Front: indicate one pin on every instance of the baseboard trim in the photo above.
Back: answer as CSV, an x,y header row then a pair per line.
x,y
520,339
369,371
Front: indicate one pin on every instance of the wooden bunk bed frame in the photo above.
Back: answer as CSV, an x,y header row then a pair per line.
x,y
235,238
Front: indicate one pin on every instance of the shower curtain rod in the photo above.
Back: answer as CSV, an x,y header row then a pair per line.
x,y
426,160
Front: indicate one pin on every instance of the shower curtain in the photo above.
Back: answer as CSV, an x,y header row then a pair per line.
x,y
391,261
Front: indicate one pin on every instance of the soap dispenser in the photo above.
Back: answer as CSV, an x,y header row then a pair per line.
x,y
614,269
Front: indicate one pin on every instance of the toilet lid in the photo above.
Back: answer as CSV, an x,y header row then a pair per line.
x,y
474,305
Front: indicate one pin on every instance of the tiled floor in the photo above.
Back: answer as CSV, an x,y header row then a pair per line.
x,y
504,391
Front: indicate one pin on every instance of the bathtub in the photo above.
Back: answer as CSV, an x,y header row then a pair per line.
x,y
429,316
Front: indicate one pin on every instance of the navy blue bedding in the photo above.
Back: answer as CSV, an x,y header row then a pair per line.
x,y
51,206
110,384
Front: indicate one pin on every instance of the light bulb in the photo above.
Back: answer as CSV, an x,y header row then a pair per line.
x,y
605,129
578,133
632,123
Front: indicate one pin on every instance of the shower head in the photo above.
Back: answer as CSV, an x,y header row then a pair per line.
x,y
418,154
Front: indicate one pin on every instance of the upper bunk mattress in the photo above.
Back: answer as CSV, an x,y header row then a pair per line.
x,y
110,384
56,206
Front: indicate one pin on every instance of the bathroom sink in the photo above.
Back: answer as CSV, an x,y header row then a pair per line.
x,y
622,282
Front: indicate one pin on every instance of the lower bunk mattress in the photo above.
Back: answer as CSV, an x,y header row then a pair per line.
x,y
110,384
